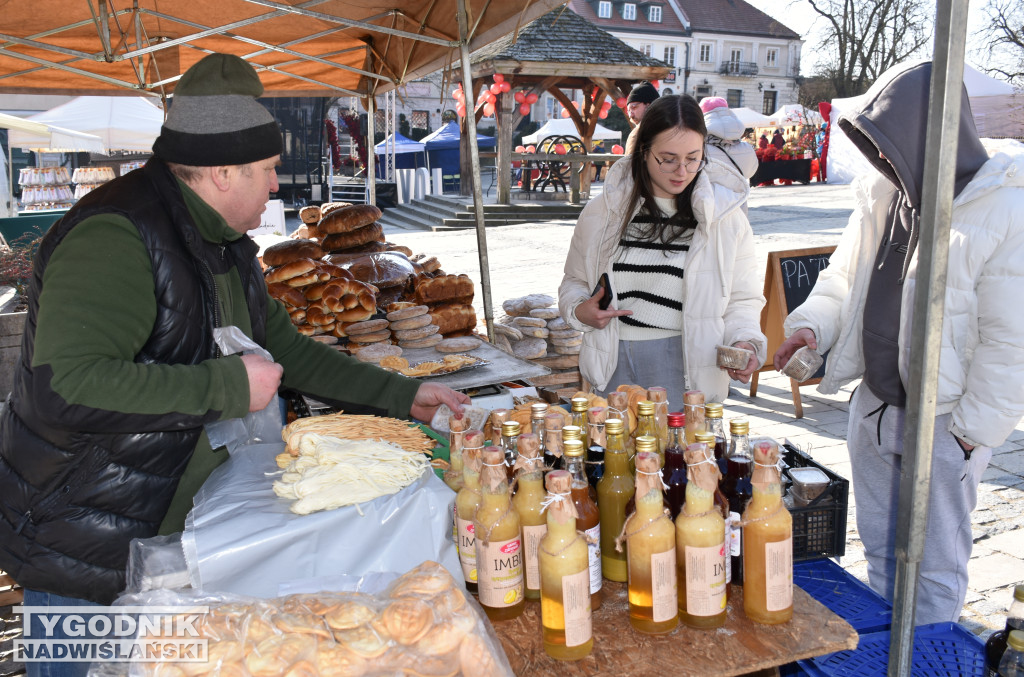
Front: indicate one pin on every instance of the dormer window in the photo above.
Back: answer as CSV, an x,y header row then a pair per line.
x,y
604,9
629,11
654,14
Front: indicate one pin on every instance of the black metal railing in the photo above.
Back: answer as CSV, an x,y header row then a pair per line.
x,y
738,68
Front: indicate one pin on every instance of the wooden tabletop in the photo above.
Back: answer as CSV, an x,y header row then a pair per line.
x,y
739,647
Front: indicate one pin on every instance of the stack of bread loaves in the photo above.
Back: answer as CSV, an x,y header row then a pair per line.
x,y
534,330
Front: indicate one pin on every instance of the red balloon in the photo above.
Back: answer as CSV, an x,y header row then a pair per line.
x,y
495,88
603,114
498,77
461,110
621,102
531,148
488,109
559,149
524,109
531,98
504,86
520,149
565,113
519,96
618,150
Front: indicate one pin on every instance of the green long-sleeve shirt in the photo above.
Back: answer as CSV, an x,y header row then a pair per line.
x,y
97,310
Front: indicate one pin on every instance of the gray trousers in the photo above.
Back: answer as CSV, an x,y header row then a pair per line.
x,y
875,441
658,362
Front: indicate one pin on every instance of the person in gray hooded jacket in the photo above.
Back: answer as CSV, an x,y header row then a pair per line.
x,y
860,310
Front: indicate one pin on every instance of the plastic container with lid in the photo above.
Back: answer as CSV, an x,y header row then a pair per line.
x,y
808,483
803,365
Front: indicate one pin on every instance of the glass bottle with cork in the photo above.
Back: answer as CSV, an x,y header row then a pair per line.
x,y
499,546
650,549
510,431
456,440
466,503
588,517
995,646
614,491
529,495
646,425
553,441
693,407
700,545
674,473
714,424
735,486
597,439
578,416
767,543
565,609
659,396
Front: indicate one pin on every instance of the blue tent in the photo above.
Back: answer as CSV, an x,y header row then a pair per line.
x,y
443,147
408,154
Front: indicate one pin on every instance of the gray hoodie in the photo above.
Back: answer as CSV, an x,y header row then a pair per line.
x,y
889,128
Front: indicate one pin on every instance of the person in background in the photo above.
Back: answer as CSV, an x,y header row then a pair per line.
x,y
725,137
641,96
666,210
102,440
860,312
778,140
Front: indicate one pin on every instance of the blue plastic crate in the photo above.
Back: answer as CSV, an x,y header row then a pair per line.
x,y
844,595
940,650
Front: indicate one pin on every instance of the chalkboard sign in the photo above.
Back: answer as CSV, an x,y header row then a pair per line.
x,y
788,281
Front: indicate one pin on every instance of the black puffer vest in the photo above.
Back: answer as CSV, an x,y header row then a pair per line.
x,y
78,484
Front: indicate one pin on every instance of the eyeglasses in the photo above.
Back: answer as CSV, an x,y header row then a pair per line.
x,y
672,166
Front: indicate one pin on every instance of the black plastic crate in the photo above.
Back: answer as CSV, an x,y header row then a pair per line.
x,y
819,528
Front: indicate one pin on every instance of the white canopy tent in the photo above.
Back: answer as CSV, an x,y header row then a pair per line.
x,y
566,127
123,123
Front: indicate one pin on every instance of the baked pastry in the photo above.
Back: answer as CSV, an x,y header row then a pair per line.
x,y
291,250
417,333
444,288
353,238
414,322
458,345
290,270
348,218
453,317
377,351
408,310
428,342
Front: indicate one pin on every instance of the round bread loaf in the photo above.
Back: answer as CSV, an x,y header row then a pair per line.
x,y
523,322
371,337
563,333
414,322
566,342
366,327
290,270
375,352
353,238
347,219
428,342
310,215
530,348
558,324
417,333
458,345
406,312
507,330
568,350
544,313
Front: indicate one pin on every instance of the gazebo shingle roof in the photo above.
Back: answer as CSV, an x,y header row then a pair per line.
x,y
563,36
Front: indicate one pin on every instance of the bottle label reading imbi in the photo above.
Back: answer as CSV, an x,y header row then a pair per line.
x,y
500,572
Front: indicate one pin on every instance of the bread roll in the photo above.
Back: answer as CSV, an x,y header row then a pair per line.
x,y
290,270
347,219
353,238
453,317
444,288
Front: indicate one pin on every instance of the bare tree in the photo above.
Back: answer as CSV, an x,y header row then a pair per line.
x,y
1004,36
863,38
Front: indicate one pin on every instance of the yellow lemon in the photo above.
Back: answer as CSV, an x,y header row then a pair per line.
x,y
511,596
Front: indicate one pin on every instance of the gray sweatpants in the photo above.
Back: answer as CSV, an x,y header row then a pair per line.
x,y
876,449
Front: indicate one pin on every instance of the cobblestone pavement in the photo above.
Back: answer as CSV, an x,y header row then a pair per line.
x,y
528,259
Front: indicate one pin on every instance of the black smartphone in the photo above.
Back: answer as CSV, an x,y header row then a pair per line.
x,y
606,298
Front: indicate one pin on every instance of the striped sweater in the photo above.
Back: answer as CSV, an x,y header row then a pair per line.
x,y
648,279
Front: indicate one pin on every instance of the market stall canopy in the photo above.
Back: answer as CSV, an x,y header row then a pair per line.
x,y
37,136
122,122
300,48
566,127
751,118
795,114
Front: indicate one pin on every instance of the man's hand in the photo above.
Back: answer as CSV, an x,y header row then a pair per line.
x,y
800,338
431,395
743,375
590,314
264,380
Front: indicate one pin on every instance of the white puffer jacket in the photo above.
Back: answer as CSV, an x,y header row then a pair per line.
x,y
981,360
720,291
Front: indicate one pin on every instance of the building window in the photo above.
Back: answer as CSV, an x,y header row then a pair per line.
x,y
629,11
771,58
736,55
654,15
706,53
768,106
420,119
604,9
648,50
734,97
670,56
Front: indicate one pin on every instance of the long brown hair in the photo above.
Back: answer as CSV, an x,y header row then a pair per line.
x,y
676,111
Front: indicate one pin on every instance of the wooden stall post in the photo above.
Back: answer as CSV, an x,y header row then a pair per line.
x,y
788,280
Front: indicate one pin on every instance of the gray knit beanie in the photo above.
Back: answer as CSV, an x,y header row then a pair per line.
x,y
642,93
215,119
